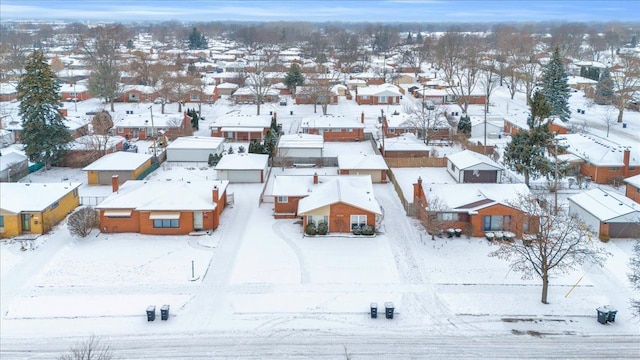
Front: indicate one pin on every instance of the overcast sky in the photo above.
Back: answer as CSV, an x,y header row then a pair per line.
x,y
327,10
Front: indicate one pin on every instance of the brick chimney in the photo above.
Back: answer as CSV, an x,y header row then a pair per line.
x,y
362,117
115,183
625,160
214,195
315,178
418,193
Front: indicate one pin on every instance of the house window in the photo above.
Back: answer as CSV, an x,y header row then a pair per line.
x,y
365,97
382,99
166,223
194,97
358,221
447,216
614,168
54,205
453,167
316,219
497,222
283,199
631,168
1,221
120,130
349,130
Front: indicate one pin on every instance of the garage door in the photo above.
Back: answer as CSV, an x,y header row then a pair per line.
x,y
624,230
104,177
246,176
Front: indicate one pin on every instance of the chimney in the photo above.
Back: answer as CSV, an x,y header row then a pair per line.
x,y
625,160
275,115
214,195
315,178
63,112
115,184
418,193
362,117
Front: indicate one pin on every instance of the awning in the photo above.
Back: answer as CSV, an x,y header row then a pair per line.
x,y
164,216
117,213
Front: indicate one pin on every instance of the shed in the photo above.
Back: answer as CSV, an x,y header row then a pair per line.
x,y
471,167
364,164
609,214
127,165
194,148
243,168
13,166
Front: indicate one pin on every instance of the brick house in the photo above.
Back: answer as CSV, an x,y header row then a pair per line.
x,y
307,95
334,128
77,92
287,191
385,94
343,203
142,126
632,188
236,127
404,146
473,208
608,214
8,91
247,95
137,93
163,207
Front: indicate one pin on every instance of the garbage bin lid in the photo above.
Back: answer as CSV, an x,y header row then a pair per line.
x,y
602,309
374,305
151,308
164,307
388,304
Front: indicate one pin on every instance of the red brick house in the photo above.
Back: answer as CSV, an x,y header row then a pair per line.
x,y
247,95
141,126
632,190
334,128
137,93
287,191
307,95
343,203
8,91
236,127
163,207
385,94
404,146
77,92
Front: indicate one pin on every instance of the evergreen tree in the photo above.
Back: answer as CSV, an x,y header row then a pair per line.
x,y
230,151
195,119
241,150
540,110
197,40
555,87
294,78
255,147
419,39
45,136
464,125
130,44
409,39
604,89
634,276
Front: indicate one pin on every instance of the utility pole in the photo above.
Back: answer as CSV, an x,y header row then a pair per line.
x,y
153,130
555,193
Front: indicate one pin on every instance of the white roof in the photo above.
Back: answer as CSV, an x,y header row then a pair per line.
x,y
118,161
20,197
8,159
143,119
8,88
297,185
362,162
195,142
226,85
405,142
466,158
145,89
356,191
401,120
574,80
330,121
379,90
243,161
599,151
242,121
301,141
74,123
165,195
76,88
634,180
472,197
606,205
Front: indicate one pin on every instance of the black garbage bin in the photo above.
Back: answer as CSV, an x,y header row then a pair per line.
x,y
388,310
612,315
603,315
458,232
450,233
291,112
624,125
164,312
374,310
151,312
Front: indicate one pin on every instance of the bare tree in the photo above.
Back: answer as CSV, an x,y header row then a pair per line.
x,y
347,51
609,118
626,82
14,48
319,89
489,80
423,118
260,84
82,221
415,57
560,242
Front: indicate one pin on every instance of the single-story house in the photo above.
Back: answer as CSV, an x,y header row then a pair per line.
x,y
243,168
247,95
226,88
237,128
311,94
300,146
608,214
632,188
287,190
363,164
13,167
163,207
137,93
194,148
603,160
89,148
473,208
127,165
404,146
35,208
74,92
142,126
334,128
468,166
385,94
8,91
343,203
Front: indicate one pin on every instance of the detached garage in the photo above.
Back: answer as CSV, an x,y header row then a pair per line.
x,y
364,164
127,165
194,148
243,168
609,214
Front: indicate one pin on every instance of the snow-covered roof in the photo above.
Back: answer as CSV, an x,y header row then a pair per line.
x,y
634,180
472,197
119,161
297,185
362,162
574,80
242,121
144,120
405,142
170,195
6,160
379,90
599,151
226,85
606,205
20,197
8,88
356,191
196,142
75,88
401,120
331,121
74,123
466,158
243,161
301,141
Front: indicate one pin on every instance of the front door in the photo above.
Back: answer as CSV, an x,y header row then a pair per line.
x,y
197,220
26,222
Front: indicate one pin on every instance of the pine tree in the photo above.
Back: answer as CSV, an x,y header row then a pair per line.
x,y
555,87
294,78
604,89
45,136
634,276
540,110
197,40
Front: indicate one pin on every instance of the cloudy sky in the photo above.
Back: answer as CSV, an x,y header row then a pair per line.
x,y
327,10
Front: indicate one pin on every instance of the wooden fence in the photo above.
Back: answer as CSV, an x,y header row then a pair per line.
x,y
416,162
